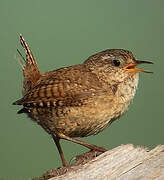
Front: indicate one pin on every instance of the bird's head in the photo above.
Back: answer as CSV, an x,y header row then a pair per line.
x,y
117,64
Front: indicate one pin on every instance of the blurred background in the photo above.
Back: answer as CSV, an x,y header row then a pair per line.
x,y
63,33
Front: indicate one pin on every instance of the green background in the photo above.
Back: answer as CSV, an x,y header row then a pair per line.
x,y
63,33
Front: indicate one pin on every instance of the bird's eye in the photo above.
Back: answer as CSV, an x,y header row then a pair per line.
x,y
116,62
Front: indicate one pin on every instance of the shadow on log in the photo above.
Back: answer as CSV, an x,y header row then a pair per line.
x,y
125,162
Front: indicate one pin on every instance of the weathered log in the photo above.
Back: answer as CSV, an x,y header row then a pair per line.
x,y
125,162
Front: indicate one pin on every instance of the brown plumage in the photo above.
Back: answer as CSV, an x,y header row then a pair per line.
x,y
79,100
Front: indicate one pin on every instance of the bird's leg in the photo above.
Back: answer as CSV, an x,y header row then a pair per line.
x,y
90,146
56,140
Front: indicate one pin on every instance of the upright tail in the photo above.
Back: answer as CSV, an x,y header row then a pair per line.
x,y
30,69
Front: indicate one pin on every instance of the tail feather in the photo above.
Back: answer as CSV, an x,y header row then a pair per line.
x,y
30,69
30,58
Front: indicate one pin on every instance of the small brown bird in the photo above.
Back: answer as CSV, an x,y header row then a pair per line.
x,y
79,100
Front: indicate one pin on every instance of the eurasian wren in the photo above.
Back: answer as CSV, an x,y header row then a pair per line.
x,y
79,100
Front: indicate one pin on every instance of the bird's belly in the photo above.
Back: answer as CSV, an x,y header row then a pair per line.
x,y
73,121
77,121
86,121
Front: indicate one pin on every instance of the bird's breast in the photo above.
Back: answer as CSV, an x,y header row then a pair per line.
x,y
124,95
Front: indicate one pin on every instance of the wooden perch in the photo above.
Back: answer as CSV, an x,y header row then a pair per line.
x,y
125,162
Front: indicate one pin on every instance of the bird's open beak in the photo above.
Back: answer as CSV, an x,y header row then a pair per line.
x,y
131,67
